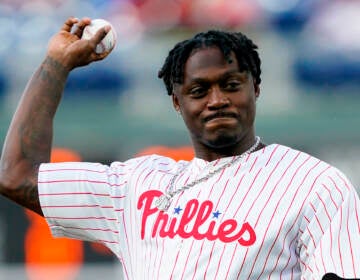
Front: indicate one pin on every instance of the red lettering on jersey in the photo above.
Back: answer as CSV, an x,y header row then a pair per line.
x,y
147,198
192,222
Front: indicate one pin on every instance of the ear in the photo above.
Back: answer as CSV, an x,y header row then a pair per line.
x,y
257,90
175,101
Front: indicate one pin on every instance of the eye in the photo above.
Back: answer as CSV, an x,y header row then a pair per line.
x,y
197,91
232,85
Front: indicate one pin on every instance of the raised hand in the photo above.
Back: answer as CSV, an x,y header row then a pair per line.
x,y
68,49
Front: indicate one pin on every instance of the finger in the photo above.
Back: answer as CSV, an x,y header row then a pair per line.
x,y
100,34
81,25
69,23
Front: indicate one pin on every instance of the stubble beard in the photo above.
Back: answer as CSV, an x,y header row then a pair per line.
x,y
222,141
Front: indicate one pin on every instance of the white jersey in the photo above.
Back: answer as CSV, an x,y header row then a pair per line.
x,y
277,214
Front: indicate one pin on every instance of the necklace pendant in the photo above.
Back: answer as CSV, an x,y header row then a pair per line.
x,y
163,203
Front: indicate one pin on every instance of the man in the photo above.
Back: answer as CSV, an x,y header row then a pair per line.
x,y
238,210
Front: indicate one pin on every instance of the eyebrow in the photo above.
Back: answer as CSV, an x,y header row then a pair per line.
x,y
221,77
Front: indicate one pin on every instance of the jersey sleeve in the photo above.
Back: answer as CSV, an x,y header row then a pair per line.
x,y
82,200
330,233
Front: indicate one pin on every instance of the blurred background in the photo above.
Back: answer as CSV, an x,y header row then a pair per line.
x,y
118,108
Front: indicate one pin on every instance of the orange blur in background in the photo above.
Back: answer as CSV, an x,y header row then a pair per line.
x,y
47,257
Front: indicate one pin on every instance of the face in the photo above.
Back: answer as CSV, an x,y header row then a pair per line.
x,y
216,101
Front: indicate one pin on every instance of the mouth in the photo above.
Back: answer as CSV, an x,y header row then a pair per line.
x,y
220,116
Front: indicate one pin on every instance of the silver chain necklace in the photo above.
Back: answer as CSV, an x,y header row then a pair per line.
x,y
164,201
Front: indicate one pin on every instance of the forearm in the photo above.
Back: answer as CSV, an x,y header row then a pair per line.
x,y
29,139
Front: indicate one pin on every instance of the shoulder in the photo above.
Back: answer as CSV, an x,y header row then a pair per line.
x,y
154,162
310,166
275,153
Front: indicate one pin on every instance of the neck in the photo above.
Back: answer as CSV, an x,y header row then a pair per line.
x,y
212,153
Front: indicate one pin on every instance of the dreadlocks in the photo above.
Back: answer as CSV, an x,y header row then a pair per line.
x,y
245,51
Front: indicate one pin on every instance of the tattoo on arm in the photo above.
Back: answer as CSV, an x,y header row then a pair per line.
x,y
27,195
30,138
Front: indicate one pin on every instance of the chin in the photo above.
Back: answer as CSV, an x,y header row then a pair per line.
x,y
222,141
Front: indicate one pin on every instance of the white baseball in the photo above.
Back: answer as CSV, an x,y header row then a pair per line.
x,y
108,43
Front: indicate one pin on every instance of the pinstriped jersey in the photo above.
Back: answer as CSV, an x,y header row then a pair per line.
x,y
276,214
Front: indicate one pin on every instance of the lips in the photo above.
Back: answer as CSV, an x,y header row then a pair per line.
x,y
220,115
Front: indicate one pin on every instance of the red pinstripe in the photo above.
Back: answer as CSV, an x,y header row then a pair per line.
x,y
156,240
347,227
330,230
92,229
212,187
287,211
331,244
60,170
287,263
177,257
253,164
226,208
138,177
181,194
330,194
162,254
280,179
126,239
230,264
162,251
221,257
163,241
272,154
132,213
324,205
316,264
208,263
316,217
81,218
349,238
75,169
340,229
311,236
250,187
335,185
221,195
203,242
343,180
74,193
272,192
143,184
231,260
77,206
78,181
187,259
197,261
356,213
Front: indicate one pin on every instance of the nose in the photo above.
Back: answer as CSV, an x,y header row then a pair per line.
x,y
217,99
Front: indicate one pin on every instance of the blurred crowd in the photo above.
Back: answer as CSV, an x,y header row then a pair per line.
x,y
328,30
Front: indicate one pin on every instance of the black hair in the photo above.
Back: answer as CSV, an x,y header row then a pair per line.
x,y
245,51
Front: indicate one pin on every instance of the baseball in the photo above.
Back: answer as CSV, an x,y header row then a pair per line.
x,y
108,43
